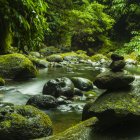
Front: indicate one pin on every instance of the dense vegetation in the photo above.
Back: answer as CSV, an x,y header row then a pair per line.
x,y
90,25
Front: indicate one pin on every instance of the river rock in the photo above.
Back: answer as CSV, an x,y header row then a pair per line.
x,y
59,86
110,80
42,63
82,83
117,65
55,58
23,122
115,107
16,66
35,54
78,92
116,57
71,58
43,101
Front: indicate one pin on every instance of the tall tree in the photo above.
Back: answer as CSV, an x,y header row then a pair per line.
x,y
23,21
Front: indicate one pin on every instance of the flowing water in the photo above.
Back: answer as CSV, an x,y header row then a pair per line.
x,y
19,92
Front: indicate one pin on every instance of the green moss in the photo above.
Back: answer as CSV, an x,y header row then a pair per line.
x,y
39,63
90,93
16,66
2,82
55,58
122,103
133,56
79,54
80,131
24,122
49,50
98,57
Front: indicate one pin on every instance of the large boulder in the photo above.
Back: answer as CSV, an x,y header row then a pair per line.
x,y
2,82
43,101
15,66
59,86
110,80
82,83
55,58
23,122
115,107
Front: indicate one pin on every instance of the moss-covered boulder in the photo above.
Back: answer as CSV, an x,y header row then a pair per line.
x,y
43,101
115,107
74,56
55,58
82,83
16,66
2,82
39,63
23,122
81,131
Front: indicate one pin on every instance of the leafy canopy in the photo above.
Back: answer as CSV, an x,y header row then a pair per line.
x,y
26,20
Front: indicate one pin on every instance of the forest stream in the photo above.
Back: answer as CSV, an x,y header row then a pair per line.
x,y
18,93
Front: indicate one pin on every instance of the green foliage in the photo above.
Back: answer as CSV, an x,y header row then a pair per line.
x,y
26,20
134,44
78,20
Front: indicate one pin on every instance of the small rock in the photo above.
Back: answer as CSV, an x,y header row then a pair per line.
x,y
82,83
117,65
43,101
116,57
55,58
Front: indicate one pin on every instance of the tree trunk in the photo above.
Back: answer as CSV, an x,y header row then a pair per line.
x,y
5,37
